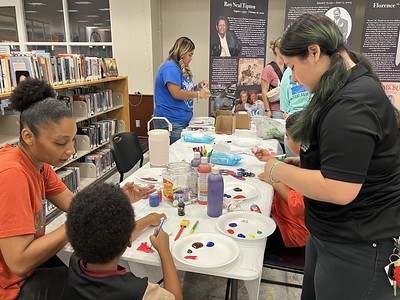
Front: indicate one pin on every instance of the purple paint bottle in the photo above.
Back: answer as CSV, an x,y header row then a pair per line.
x,y
215,193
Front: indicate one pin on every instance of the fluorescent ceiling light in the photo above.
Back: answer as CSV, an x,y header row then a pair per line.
x,y
83,21
36,3
104,9
31,12
98,24
92,16
83,2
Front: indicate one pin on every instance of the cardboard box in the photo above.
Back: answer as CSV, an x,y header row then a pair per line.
x,y
243,120
225,122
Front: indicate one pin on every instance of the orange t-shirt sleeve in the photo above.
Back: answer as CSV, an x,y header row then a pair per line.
x,y
53,183
16,206
296,203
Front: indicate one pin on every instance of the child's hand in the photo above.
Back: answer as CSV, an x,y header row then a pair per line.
x,y
263,155
154,219
136,192
295,161
264,177
161,242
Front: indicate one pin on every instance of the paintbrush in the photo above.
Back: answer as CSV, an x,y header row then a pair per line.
x,y
159,229
184,224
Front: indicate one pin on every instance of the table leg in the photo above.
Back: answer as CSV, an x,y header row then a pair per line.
x,y
253,288
234,289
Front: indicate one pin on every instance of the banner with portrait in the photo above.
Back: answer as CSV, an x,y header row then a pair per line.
x,y
342,12
381,44
237,49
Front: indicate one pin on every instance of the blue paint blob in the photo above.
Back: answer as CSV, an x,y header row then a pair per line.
x,y
189,251
241,235
210,244
227,196
232,224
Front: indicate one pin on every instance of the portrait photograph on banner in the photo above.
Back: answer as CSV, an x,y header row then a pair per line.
x,y
237,50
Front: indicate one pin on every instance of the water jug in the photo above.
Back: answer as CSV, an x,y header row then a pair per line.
x,y
159,144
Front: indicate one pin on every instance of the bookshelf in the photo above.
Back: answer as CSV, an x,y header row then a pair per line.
x,y
9,126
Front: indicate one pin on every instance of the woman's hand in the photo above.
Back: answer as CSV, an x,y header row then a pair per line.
x,y
202,84
136,192
204,93
263,155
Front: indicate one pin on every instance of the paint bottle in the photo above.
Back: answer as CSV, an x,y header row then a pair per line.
x,y
215,193
195,163
181,207
204,169
154,199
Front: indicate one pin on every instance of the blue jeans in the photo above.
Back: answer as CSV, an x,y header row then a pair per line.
x,y
351,270
176,132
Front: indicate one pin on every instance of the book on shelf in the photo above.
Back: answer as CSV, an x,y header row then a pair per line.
x,y
110,67
21,67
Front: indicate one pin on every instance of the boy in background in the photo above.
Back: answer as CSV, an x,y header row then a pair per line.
x,y
100,224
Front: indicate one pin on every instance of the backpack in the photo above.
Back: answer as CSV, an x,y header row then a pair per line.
x,y
277,71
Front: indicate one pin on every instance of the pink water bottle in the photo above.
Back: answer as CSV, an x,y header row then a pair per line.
x,y
215,194
204,169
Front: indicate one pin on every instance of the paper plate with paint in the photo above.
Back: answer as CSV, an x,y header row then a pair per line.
x,y
239,191
205,250
246,225
245,142
150,175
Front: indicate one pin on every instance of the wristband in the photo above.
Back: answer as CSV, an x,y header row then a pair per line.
x,y
198,96
199,86
267,110
271,171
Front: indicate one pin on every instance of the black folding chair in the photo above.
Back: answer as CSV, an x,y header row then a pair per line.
x,y
126,151
284,259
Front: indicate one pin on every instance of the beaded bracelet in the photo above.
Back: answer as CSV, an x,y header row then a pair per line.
x,y
271,171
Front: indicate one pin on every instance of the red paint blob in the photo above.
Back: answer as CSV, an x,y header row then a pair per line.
x,y
239,197
194,257
145,248
230,231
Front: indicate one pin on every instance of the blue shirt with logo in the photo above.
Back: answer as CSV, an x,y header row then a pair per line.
x,y
176,111
294,97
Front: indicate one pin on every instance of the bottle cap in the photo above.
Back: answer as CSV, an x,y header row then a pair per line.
x,y
204,160
197,155
215,170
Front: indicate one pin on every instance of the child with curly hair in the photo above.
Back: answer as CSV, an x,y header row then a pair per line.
x,y
99,226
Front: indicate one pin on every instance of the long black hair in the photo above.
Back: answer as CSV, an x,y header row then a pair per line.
x,y
310,29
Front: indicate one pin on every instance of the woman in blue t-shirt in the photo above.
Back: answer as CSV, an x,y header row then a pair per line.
x,y
174,90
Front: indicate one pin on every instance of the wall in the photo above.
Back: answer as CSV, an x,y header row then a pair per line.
x,y
145,30
132,38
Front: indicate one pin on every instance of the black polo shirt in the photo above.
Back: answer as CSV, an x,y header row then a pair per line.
x,y
357,140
